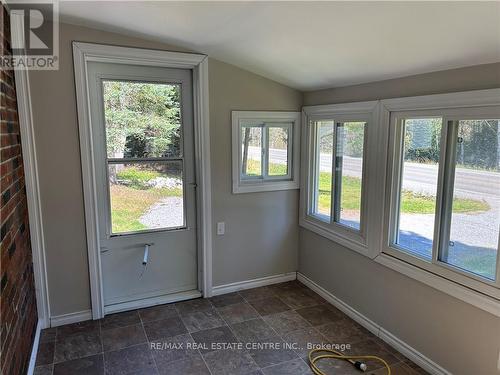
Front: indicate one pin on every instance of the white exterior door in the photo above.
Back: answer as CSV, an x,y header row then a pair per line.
x,y
142,135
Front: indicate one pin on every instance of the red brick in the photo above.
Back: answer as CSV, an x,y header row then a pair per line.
x,y
17,297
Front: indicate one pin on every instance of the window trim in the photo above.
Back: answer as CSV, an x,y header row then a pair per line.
x,y
266,183
444,279
451,107
357,240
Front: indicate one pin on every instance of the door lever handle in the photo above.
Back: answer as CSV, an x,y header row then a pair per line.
x,y
146,254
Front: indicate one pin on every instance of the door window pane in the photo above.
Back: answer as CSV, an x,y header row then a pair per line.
x,y
142,119
323,169
251,151
475,217
145,196
278,151
348,173
419,176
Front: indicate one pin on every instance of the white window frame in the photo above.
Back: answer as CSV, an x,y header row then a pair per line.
x,y
460,111
266,120
450,107
378,184
357,240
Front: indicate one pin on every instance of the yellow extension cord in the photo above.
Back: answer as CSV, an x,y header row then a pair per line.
x,y
338,355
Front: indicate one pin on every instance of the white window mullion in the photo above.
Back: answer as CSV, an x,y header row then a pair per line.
x,y
397,185
315,166
444,201
337,173
264,158
332,190
290,157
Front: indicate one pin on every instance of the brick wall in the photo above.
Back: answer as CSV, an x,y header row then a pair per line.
x,y
18,317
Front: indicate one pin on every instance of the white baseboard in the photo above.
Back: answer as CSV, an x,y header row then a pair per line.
x,y
152,301
75,317
254,283
34,349
398,344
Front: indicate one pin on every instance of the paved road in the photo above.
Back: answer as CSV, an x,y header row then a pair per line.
x,y
418,177
470,231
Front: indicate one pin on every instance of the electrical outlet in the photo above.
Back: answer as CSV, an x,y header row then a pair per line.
x,y
221,228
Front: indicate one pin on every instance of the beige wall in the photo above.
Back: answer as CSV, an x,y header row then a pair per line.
x,y
461,338
261,228
476,77
251,248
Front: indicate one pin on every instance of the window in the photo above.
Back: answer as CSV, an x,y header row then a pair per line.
x,y
443,192
338,165
418,184
265,151
472,218
414,184
323,167
144,155
350,137
333,197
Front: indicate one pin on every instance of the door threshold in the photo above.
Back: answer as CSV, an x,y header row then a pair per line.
x,y
152,301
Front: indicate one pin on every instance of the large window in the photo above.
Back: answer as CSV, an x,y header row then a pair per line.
x,y
414,184
265,151
334,198
443,191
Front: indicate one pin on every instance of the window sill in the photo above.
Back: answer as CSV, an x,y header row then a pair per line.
x,y
352,241
442,284
268,185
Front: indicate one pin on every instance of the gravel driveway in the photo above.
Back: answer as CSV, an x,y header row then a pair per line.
x,y
474,237
168,212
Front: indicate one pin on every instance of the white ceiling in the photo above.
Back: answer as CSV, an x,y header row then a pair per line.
x,y
311,45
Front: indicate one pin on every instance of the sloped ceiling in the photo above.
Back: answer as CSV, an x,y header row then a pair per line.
x,y
312,45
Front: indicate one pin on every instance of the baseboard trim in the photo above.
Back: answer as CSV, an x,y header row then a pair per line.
x,y
34,349
405,349
74,317
151,301
254,283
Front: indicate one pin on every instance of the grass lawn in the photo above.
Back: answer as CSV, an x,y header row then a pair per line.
x,y
133,198
411,203
253,168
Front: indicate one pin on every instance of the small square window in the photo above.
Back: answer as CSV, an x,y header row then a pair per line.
x,y
265,151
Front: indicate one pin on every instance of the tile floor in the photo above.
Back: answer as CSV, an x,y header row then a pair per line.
x,y
188,338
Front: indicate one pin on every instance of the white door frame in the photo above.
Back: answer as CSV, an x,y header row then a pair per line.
x,y
83,53
30,165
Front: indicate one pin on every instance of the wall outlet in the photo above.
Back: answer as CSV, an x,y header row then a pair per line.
x,y
221,228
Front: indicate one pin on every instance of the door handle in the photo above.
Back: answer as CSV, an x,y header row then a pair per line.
x,y
146,253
